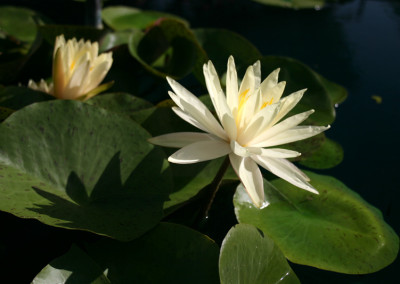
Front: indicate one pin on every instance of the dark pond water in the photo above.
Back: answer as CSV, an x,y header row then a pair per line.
x,y
354,43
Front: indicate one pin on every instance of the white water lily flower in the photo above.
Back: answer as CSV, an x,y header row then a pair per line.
x,y
77,70
251,127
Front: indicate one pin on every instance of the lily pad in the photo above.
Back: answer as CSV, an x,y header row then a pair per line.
x,y
249,256
169,253
72,165
15,98
327,156
336,230
19,23
124,17
294,4
219,44
167,48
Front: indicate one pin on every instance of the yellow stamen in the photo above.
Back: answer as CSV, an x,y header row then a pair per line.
x,y
267,103
243,99
72,65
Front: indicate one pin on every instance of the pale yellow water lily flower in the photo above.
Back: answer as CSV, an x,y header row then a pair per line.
x,y
249,130
78,70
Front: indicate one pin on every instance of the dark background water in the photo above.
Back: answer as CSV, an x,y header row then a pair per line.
x,y
354,43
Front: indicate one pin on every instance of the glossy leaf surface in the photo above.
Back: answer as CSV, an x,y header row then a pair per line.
x,y
77,166
169,253
249,256
335,230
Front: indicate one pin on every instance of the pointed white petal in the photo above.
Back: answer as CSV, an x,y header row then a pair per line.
x,y
291,135
288,103
219,101
259,123
275,153
248,81
250,175
180,139
200,151
285,170
188,118
232,86
190,104
273,94
270,81
288,123
257,74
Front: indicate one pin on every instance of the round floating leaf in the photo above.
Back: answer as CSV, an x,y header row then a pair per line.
x,y
328,155
336,230
74,267
72,165
337,93
124,17
50,32
19,23
219,44
249,256
299,76
16,98
122,103
113,39
167,48
169,253
295,4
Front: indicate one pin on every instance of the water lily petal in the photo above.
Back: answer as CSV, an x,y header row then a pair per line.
x,y
259,123
273,95
288,123
198,116
257,74
294,134
275,153
232,86
285,170
180,139
250,176
248,82
270,81
219,100
188,118
200,151
288,103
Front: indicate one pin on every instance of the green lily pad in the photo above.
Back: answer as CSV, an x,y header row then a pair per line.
x,y
249,256
72,165
294,4
19,23
169,253
16,98
50,32
113,39
167,48
328,155
122,103
73,267
124,17
336,230
299,76
219,44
